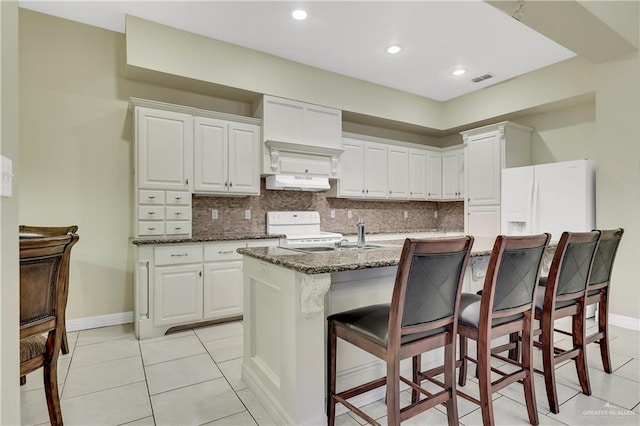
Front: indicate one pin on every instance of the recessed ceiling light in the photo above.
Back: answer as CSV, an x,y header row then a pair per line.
x,y
459,71
394,48
299,14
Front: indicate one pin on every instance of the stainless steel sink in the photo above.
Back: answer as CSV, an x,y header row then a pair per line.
x,y
324,249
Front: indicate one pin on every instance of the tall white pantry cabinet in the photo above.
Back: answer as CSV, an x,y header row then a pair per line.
x,y
488,150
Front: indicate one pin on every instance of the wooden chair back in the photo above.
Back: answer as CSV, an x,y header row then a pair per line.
x,y
570,268
512,277
428,285
605,256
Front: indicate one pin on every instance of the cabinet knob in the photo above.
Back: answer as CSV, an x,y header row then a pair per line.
x,y
152,197
226,184
230,184
367,191
151,228
151,213
178,213
177,228
389,191
178,198
306,170
363,191
186,181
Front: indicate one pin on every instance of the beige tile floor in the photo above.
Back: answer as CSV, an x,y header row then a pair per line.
x,y
193,378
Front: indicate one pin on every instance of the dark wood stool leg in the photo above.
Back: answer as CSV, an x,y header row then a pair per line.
x,y
548,362
23,380
527,365
393,391
581,360
450,382
416,366
603,327
331,374
514,352
462,374
484,382
65,343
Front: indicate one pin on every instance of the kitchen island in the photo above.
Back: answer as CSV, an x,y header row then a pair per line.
x,y
287,296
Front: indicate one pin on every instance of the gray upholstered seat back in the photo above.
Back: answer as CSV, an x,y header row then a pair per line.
x,y
517,278
432,287
603,261
575,268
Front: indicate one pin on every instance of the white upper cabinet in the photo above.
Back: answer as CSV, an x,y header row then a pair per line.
x,y
163,140
452,174
434,175
488,150
226,157
351,183
398,169
364,170
376,171
289,121
417,174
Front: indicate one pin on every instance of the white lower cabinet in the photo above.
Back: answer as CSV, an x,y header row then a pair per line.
x,y
178,294
222,289
179,284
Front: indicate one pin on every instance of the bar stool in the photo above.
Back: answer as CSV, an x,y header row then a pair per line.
x,y
505,308
422,316
564,295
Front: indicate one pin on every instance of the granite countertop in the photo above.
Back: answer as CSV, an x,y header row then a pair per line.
x,y
388,254
210,238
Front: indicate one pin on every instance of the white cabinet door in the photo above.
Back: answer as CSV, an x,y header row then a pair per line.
x,y
210,155
376,179
164,149
222,289
177,294
461,180
323,126
483,221
398,162
450,174
352,182
417,174
483,164
283,120
434,175
244,163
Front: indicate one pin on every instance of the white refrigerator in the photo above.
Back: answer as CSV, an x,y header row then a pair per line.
x,y
552,198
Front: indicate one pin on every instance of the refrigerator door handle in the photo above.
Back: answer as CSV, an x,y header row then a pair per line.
x,y
533,211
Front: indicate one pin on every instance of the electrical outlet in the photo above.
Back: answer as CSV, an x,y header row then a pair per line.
x,y
435,214
406,214
333,214
349,214
214,214
247,214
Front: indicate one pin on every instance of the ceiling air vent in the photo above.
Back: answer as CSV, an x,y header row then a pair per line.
x,y
482,78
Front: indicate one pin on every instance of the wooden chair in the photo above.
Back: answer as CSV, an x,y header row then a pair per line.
x,y
505,307
44,270
564,295
422,316
26,231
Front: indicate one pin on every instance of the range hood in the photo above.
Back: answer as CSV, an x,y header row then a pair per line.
x,y
297,183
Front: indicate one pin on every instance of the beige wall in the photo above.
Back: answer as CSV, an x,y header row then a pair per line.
x,y
76,150
76,143
9,290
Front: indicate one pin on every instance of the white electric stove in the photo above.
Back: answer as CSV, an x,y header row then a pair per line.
x,y
302,229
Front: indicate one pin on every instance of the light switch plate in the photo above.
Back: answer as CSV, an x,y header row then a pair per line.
x,y
349,214
247,214
333,214
214,214
406,214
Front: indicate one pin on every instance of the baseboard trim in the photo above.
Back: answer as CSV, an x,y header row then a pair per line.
x,y
99,321
624,322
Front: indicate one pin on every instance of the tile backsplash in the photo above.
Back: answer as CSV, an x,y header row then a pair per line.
x,y
379,216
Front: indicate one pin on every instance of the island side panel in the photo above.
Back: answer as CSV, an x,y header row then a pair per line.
x,y
283,361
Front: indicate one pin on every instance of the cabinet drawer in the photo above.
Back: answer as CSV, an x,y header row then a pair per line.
x,y
223,251
178,198
178,227
151,197
178,213
150,228
174,254
150,212
304,164
270,242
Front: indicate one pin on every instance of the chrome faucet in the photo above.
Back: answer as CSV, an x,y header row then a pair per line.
x,y
360,227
